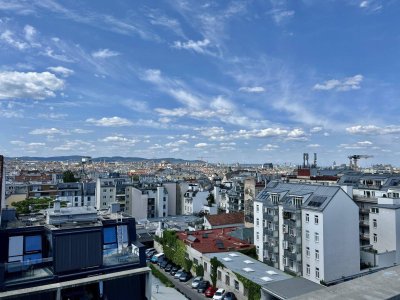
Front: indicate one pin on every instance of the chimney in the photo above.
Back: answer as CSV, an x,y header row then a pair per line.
x,y
315,160
57,205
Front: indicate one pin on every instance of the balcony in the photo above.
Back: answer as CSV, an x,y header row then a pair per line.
x,y
126,255
364,223
20,272
364,236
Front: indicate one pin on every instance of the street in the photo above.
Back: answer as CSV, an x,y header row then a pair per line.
x,y
184,287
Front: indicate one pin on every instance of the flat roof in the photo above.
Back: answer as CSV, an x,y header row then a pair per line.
x,y
380,285
293,287
250,268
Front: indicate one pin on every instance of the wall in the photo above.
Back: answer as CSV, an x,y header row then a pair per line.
x,y
171,188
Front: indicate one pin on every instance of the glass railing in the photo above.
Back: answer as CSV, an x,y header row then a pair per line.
x,y
125,255
28,270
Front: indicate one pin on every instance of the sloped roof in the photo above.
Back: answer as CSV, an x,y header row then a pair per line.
x,y
226,219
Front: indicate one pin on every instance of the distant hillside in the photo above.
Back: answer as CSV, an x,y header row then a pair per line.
x,y
78,158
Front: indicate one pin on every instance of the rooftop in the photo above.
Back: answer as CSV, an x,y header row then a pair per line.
x,y
380,285
214,240
225,219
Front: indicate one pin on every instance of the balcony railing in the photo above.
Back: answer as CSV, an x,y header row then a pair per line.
x,y
22,271
126,255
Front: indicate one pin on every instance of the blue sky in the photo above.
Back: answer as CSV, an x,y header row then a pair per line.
x,y
229,81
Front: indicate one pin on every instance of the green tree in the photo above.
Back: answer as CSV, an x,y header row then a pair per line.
x,y
199,270
215,263
188,265
174,249
210,199
68,176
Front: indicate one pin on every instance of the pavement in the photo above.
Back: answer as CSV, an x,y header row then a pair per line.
x,y
184,288
164,293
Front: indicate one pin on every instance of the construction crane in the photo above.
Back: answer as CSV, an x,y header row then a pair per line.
x,y
354,160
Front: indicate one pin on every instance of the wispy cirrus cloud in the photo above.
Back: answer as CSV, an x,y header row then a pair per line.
x,y
196,46
341,85
252,89
104,53
373,129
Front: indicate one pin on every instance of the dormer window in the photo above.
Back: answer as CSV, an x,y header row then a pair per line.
x,y
275,198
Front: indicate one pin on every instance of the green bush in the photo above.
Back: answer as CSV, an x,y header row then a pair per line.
x,y
164,279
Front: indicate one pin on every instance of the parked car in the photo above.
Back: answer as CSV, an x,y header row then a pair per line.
x,y
164,263
150,250
155,258
229,296
219,294
174,270
210,291
185,276
178,274
149,254
169,267
203,286
196,281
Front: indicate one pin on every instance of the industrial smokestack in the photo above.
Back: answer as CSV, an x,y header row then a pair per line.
x,y
315,160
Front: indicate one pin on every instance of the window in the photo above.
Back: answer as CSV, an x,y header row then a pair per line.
x,y
317,254
257,222
110,190
24,249
375,223
219,275
316,220
195,261
307,218
307,235
257,236
308,270
316,237
257,208
308,251
264,223
375,210
375,238
236,285
205,267
104,190
227,279
317,273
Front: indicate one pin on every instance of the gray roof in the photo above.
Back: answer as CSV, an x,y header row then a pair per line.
x,y
292,287
315,196
249,268
380,285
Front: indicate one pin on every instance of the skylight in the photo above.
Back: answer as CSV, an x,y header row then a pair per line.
x,y
266,278
233,254
248,262
248,270
272,273
227,259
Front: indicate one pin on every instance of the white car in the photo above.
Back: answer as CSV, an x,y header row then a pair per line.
x,y
219,294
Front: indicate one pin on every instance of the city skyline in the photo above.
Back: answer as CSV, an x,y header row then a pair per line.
x,y
254,81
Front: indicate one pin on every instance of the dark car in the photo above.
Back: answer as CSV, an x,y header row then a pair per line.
x,y
185,276
169,267
174,270
150,253
164,263
229,296
203,286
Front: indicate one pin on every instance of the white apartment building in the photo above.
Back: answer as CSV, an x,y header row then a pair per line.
x,y
384,224
150,202
77,193
194,200
309,230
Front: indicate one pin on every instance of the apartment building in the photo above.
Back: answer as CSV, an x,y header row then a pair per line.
x,y
308,230
77,193
366,189
251,189
110,190
194,199
71,253
2,183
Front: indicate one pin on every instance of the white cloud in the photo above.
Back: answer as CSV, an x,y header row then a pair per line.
x,y
120,140
373,129
252,89
52,116
76,145
316,129
196,46
8,37
268,147
176,144
314,145
110,122
29,85
280,15
30,33
104,53
212,131
135,105
297,135
358,145
364,4
46,131
65,72
201,145
343,85
261,133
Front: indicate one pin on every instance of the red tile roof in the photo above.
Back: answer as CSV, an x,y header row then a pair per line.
x,y
226,219
214,240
